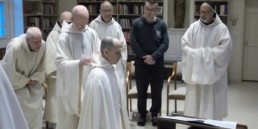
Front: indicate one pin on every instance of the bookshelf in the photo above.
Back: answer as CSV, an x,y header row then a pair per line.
x,y
125,11
221,7
40,13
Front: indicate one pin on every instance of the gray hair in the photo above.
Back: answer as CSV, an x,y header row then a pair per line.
x,y
107,43
32,31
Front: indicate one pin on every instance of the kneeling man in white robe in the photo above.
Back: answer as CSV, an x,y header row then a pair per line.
x,y
103,104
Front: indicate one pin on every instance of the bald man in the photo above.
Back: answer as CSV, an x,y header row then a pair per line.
x,y
50,113
105,26
24,66
77,42
207,48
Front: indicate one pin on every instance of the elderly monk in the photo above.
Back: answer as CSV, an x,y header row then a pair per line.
x,y
24,66
207,48
77,42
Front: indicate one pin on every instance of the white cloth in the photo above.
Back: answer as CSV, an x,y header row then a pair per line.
x,y
103,104
206,54
11,116
50,113
113,29
22,65
72,46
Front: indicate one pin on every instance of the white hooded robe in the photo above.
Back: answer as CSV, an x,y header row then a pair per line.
x,y
104,105
72,46
206,54
22,65
113,29
50,113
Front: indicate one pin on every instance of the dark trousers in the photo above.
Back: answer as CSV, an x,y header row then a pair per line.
x,y
145,75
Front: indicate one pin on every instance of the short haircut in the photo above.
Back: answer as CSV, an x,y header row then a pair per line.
x,y
107,43
105,1
210,3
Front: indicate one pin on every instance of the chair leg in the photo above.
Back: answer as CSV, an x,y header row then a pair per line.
x,y
131,105
167,107
175,106
127,106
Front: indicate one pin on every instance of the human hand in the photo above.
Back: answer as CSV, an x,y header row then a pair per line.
x,y
148,59
85,60
31,82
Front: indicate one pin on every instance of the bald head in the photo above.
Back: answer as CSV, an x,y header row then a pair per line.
x,y
80,17
34,38
206,13
65,16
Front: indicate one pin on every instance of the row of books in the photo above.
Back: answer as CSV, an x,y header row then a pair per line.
x,y
48,9
49,22
125,23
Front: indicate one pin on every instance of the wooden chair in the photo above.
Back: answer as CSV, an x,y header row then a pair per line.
x,y
131,91
178,93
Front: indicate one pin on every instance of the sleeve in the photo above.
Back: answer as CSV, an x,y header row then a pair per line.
x,y
164,43
206,65
134,40
68,88
17,79
39,73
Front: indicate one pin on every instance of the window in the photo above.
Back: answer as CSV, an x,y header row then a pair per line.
x,y
2,20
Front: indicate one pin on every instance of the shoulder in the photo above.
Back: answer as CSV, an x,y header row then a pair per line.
x,y
138,20
16,42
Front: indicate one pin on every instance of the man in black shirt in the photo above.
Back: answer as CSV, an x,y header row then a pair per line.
x,y
149,41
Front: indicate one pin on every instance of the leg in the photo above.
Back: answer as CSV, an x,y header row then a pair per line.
x,y
142,82
156,89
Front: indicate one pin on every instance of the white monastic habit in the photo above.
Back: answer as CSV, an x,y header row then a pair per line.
x,y
11,116
72,46
104,105
113,29
22,65
50,113
206,55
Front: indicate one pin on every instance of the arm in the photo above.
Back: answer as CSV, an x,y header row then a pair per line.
x,y
164,43
134,40
17,79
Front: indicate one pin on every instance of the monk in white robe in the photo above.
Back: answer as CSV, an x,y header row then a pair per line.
x,y
11,116
104,106
207,48
105,26
77,42
50,114
24,66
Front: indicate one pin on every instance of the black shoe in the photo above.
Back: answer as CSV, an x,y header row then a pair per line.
x,y
141,121
154,121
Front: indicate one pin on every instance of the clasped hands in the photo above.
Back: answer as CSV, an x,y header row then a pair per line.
x,y
148,59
